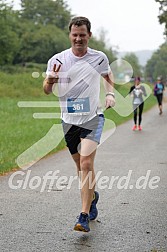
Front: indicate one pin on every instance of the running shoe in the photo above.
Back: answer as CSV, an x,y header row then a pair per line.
x,y
139,127
134,127
83,223
93,209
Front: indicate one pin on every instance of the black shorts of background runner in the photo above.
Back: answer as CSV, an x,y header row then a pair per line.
x,y
159,99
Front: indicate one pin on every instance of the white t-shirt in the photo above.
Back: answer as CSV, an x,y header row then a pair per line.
x,y
79,84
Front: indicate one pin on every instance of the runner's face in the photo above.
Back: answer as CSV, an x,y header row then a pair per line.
x,y
137,82
79,37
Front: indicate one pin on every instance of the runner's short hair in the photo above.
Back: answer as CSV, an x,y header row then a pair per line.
x,y
78,21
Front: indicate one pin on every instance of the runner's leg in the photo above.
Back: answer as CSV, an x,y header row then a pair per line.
x,y
88,152
140,112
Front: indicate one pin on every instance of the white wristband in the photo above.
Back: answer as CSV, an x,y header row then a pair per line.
x,y
110,93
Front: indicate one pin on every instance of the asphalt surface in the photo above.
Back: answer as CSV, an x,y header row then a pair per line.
x,y
132,205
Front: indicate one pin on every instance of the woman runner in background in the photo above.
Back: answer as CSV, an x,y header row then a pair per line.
x,y
158,92
137,91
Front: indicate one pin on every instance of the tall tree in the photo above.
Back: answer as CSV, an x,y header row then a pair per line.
x,y
37,31
132,59
38,43
9,45
46,12
157,65
163,13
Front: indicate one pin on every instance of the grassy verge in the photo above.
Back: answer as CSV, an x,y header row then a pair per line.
x,y
19,130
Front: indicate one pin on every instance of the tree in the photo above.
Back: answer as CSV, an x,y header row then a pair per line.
x,y
37,31
163,13
132,59
9,45
46,12
45,41
157,65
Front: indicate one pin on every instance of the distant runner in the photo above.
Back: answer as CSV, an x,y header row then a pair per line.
x,y
137,91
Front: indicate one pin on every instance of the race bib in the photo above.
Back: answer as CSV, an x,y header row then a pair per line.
x,y
78,106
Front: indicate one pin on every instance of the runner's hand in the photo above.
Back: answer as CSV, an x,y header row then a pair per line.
x,y
53,77
110,101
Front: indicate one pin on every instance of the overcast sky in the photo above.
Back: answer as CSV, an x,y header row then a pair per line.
x,y
130,25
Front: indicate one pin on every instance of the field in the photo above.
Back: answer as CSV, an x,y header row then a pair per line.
x,y
20,130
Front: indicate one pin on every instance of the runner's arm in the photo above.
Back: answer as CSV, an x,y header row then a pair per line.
x,y
48,84
109,88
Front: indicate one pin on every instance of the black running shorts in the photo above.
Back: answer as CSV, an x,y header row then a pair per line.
x,y
90,130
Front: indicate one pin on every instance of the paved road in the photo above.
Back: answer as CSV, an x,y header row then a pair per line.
x,y
131,219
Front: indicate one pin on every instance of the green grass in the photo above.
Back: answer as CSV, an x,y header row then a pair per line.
x,y
19,130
